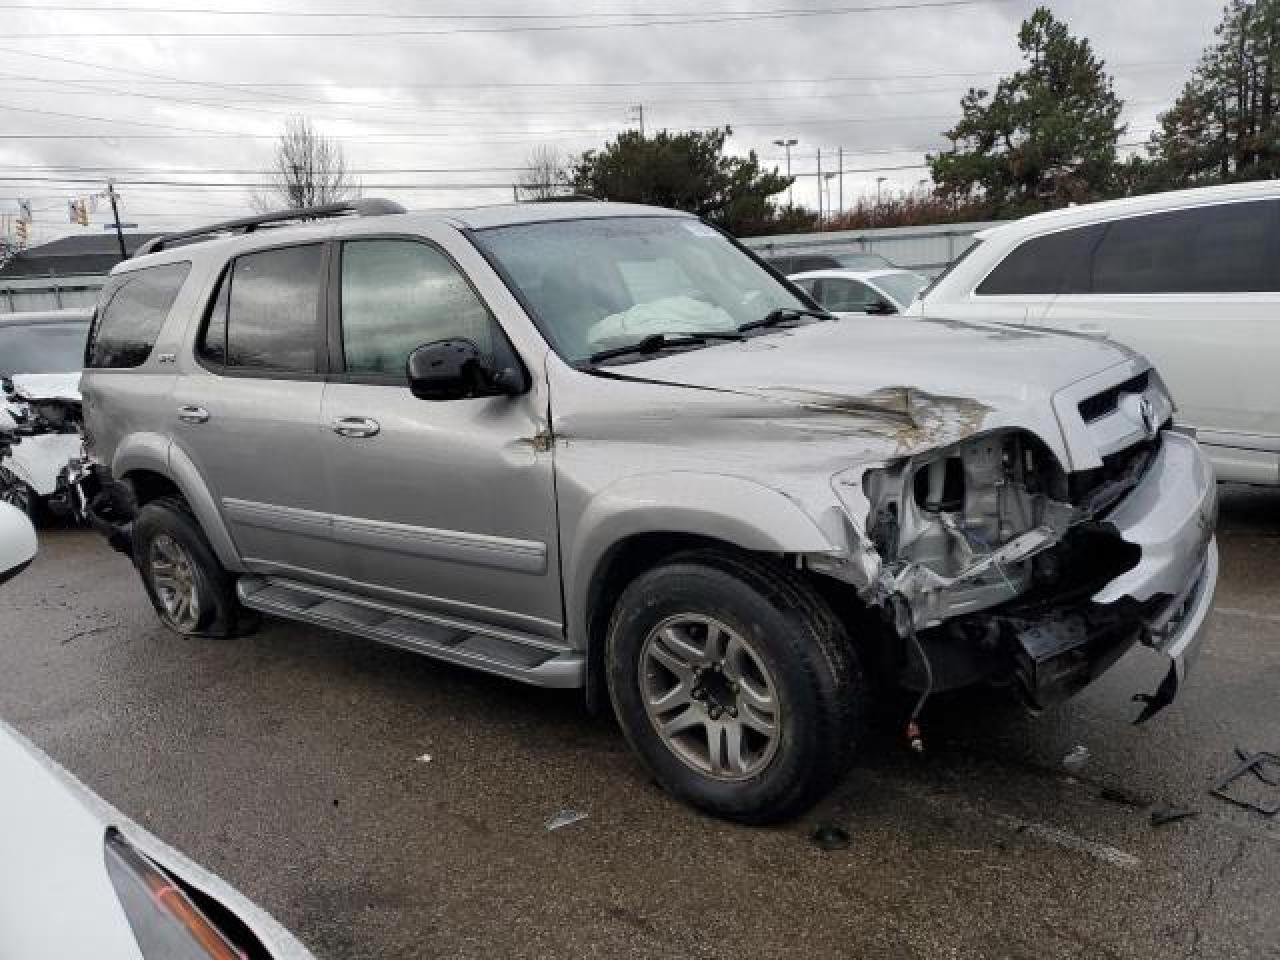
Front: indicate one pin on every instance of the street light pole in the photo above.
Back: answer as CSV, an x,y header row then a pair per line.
x,y
787,145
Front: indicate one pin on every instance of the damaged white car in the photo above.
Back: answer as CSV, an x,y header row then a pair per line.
x,y
40,359
601,446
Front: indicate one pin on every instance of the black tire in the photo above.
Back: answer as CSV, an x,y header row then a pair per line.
x,y
219,613
793,634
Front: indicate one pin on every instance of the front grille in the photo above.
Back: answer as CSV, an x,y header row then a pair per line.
x,y
1098,406
1097,490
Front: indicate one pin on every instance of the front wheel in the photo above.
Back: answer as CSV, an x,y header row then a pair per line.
x,y
735,684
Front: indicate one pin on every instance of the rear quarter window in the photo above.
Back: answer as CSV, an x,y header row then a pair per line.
x,y
1053,264
131,310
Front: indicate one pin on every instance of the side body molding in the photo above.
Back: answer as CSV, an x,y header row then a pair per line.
x,y
154,452
731,509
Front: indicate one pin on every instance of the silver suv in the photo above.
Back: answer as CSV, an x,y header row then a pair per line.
x,y
601,446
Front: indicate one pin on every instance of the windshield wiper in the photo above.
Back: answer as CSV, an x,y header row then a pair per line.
x,y
782,315
656,342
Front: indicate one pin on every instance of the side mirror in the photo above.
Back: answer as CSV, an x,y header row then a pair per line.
x,y
881,307
17,541
455,369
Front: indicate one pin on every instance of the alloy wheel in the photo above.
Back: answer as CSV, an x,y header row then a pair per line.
x,y
710,697
173,575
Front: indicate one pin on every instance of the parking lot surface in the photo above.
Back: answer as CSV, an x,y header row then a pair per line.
x,y
384,805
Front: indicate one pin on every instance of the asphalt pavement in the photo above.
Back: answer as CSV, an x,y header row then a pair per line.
x,y
383,805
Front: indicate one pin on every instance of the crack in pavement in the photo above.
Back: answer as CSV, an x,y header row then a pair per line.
x,y
1197,935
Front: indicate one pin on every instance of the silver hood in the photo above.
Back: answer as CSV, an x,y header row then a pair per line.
x,y
847,359
911,384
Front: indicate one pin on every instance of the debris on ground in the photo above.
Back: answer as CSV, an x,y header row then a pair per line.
x,y
1122,796
1076,760
425,758
1167,813
1251,769
829,837
564,818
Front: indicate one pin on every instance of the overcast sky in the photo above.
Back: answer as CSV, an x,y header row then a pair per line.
x,y
197,94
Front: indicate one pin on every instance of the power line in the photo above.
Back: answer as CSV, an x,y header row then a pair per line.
x,y
645,20
387,15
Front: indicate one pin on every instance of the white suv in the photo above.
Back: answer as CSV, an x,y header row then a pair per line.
x,y
1190,278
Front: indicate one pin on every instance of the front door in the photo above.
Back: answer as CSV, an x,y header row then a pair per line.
x,y
448,506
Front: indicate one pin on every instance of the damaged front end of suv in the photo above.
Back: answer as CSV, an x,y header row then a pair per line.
x,y
995,564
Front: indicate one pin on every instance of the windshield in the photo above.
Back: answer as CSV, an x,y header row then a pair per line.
x,y
597,284
42,348
901,287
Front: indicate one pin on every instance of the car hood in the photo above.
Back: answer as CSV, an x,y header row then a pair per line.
x,y
47,386
52,858
877,361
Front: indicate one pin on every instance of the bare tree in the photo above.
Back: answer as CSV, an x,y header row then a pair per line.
x,y
546,174
308,170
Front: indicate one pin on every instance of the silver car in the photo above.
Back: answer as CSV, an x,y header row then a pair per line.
x,y
600,446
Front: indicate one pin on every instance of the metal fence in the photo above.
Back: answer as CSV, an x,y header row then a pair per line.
x,y
926,250
26,294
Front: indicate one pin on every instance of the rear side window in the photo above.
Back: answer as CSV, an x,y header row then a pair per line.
x,y
131,310
1048,265
266,314
1229,248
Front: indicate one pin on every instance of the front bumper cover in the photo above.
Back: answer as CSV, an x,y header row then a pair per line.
x,y
1170,517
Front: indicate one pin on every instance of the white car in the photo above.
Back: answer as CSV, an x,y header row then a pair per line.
x,y
40,359
861,291
1189,278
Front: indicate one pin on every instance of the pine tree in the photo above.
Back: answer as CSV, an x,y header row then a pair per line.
x,y
1046,136
1225,125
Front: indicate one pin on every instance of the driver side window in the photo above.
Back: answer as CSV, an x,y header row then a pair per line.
x,y
398,295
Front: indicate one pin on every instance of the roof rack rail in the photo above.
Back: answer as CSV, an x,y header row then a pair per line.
x,y
361,208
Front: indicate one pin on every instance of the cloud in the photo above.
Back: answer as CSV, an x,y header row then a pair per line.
x,y
890,82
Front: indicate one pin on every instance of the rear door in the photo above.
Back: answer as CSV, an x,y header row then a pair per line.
x,y
444,505
248,416
1198,292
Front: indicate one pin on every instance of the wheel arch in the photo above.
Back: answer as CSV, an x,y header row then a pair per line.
x,y
154,467
634,525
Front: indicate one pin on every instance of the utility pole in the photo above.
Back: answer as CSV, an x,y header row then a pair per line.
x,y
819,188
115,216
787,145
840,168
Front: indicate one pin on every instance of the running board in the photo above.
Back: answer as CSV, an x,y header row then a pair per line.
x,y
531,662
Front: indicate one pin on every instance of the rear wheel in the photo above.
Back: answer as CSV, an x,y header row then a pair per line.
x,y
735,684
187,585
